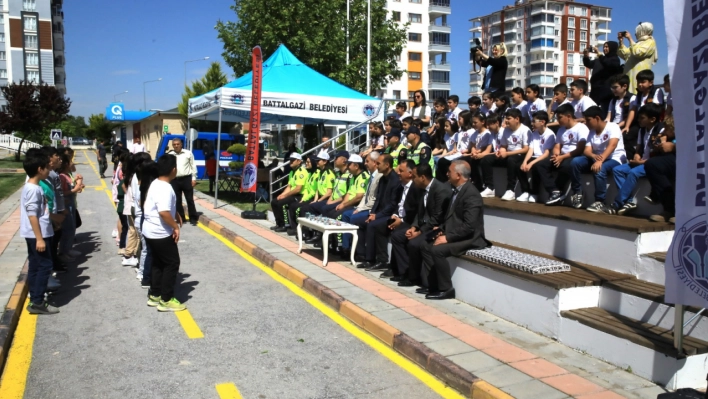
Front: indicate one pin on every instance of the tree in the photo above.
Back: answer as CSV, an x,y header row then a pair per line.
x,y
212,79
99,128
315,31
73,126
32,110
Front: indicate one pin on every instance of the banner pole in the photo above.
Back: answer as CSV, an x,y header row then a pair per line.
x,y
218,159
678,328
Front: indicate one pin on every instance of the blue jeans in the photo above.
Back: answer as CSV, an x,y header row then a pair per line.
x,y
581,165
626,179
357,219
39,269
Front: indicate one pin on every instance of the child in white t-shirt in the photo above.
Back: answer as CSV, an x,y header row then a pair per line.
x,y
488,106
541,144
605,151
560,97
534,104
480,144
581,102
518,100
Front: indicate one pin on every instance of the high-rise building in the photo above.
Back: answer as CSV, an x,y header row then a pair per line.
x,y
32,42
424,57
545,40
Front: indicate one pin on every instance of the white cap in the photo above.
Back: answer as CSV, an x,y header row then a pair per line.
x,y
354,158
323,156
295,155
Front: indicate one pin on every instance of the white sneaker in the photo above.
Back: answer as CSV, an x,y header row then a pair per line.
x,y
139,276
130,261
487,193
524,197
74,253
114,234
532,199
509,196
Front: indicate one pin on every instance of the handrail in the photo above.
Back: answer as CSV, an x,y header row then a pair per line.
x,y
333,139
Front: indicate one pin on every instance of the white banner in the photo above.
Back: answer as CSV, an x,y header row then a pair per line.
x,y
283,107
687,260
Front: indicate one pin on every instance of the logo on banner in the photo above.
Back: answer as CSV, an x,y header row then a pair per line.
x,y
237,99
115,112
250,173
690,255
369,110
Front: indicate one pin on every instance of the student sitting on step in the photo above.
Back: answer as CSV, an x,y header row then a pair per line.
x,y
605,151
570,143
514,146
626,175
542,142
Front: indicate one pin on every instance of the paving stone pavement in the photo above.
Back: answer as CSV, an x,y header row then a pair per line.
x,y
518,361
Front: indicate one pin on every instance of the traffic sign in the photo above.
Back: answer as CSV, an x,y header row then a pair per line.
x,y
55,134
166,129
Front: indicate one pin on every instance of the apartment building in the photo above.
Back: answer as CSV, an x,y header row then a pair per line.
x,y
545,40
32,42
425,55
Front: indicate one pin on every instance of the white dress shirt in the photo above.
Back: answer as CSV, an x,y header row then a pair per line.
x,y
401,210
185,164
427,191
137,147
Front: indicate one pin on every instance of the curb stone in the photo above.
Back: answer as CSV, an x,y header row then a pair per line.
x,y
445,370
11,316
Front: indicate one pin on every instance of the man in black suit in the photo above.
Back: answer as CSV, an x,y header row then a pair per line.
x,y
406,205
406,244
462,229
385,205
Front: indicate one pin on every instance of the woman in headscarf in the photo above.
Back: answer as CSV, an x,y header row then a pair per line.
x,y
640,55
605,65
495,68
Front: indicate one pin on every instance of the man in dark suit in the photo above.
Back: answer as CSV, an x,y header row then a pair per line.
x,y
462,229
385,205
406,204
406,243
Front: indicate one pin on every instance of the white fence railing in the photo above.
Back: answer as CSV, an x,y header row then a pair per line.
x,y
10,142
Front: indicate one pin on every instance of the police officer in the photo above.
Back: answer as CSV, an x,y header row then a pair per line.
x,y
292,193
318,187
419,152
355,191
398,151
339,190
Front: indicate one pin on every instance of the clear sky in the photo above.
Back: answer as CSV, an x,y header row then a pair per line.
x,y
114,46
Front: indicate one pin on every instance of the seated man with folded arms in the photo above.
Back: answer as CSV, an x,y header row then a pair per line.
x,y
431,211
462,230
359,214
291,194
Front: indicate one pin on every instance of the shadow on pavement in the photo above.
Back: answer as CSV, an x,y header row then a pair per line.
x,y
184,288
685,393
73,281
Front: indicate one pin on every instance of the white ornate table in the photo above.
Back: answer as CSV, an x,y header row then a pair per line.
x,y
326,230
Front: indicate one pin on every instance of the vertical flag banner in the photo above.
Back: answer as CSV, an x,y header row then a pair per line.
x,y
250,166
687,259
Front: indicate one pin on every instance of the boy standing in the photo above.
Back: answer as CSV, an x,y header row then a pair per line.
x,y
621,112
161,230
514,146
570,143
36,229
581,102
627,175
604,152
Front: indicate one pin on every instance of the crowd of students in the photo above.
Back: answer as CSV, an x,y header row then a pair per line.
x,y
147,210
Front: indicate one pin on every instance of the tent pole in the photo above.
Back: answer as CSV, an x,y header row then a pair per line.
x,y
218,159
368,49
189,147
347,27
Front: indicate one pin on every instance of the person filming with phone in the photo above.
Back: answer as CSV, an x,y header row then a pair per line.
x,y
640,55
604,65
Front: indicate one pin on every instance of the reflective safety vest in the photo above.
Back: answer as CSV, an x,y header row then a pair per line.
x,y
310,188
326,182
341,185
298,177
359,186
416,154
399,154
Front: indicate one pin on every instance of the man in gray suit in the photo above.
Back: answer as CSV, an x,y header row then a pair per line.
x,y
462,229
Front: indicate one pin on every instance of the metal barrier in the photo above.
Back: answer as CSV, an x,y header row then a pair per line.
x,y
350,144
10,142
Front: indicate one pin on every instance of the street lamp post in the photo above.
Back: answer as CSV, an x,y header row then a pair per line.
x,y
185,68
144,97
119,94
368,48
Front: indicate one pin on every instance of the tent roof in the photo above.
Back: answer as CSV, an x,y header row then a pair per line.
x,y
284,73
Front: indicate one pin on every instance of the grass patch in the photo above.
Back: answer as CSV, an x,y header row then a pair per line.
x,y
10,163
9,183
243,201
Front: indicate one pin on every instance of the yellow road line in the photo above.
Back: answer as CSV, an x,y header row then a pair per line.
x,y
433,383
185,318
228,391
103,183
14,379
189,325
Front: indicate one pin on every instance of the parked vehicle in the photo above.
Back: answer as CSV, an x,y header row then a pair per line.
x,y
205,141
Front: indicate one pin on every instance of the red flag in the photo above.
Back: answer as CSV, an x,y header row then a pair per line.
x,y
250,165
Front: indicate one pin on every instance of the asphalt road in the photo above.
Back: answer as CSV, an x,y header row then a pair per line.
x,y
258,335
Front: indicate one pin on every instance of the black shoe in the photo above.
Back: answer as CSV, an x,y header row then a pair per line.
x,y
317,244
275,227
422,290
407,283
387,273
346,254
59,269
194,221
292,232
280,229
449,294
378,266
314,239
555,199
41,308
397,278
365,265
